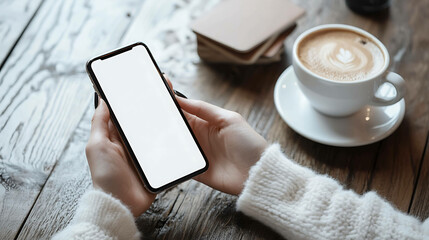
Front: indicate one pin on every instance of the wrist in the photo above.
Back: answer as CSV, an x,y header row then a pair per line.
x,y
257,155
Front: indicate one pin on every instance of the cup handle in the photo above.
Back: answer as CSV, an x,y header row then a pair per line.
x,y
398,82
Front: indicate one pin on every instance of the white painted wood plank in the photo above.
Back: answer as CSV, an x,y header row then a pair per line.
x,y
14,17
44,91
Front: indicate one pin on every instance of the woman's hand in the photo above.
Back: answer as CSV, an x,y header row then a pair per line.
x,y
230,144
111,169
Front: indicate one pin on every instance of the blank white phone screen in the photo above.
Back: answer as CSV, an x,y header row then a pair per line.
x,y
151,122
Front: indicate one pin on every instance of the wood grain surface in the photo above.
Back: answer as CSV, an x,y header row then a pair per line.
x,y
14,19
57,201
45,111
44,92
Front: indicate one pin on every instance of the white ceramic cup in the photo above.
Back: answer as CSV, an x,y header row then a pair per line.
x,y
343,98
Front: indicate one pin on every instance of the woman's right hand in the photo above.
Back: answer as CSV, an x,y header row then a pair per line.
x,y
230,144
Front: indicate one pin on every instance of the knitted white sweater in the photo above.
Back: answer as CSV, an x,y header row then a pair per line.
x,y
291,199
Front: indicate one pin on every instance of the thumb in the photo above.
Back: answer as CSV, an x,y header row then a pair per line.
x,y
168,81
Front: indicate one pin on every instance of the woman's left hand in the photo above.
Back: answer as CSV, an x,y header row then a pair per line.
x,y
111,169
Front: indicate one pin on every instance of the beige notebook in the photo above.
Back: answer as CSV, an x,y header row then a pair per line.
x,y
242,25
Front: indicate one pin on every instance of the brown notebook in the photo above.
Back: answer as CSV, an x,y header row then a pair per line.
x,y
242,25
267,49
210,55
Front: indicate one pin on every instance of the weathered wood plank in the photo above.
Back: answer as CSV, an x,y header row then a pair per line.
x,y
59,197
22,180
195,211
164,26
415,66
44,92
397,167
15,16
420,204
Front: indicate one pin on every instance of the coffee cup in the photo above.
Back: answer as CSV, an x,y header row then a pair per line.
x,y
341,67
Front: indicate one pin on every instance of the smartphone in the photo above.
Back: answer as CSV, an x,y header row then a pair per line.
x,y
143,108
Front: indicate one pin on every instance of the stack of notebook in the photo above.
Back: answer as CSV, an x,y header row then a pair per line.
x,y
245,31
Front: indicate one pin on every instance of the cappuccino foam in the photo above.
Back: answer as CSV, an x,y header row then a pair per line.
x,y
340,55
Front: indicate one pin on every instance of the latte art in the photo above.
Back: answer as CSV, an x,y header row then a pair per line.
x,y
345,56
340,55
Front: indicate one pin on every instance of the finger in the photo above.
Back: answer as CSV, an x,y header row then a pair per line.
x,y
96,99
177,93
203,110
168,80
99,125
194,121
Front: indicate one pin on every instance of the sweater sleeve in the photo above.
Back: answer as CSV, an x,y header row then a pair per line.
x,y
100,216
300,204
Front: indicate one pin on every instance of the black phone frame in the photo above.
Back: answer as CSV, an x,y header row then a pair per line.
x,y
136,164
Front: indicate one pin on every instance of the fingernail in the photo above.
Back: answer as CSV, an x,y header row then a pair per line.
x,y
95,100
180,94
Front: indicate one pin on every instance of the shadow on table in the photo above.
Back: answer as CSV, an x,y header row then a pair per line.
x,y
252,78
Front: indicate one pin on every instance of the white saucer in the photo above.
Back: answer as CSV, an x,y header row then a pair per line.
x,y
369,125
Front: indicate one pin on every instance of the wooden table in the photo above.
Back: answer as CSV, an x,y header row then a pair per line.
x,y
46,107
